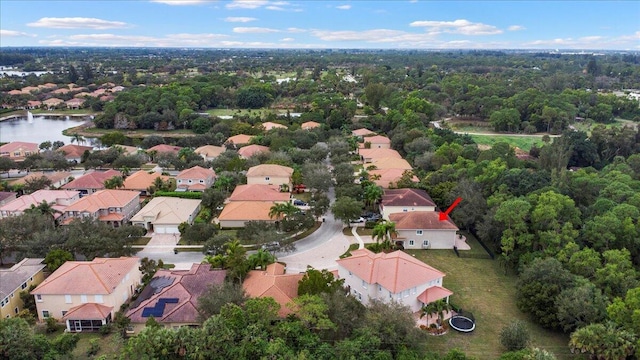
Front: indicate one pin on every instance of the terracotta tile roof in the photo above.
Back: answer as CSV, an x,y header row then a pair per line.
x,y
271,125
259,192
270,170
100,276
391,163
94,180
15,92
184,286
75,101
52,197
164,148
210,151
379,153
378,139
196,172
273,282
250,150
434,293
88,311
129,150
310,125
246,211
74,151
34,103
389,177
240,139
362,132
4,195
396,271
12,278
421,220
141,180
103,199
111,217
167,210
53,101
55,176
19,145
406,197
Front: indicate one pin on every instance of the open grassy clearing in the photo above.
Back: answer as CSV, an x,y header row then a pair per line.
x,y
109,344
587,126
523,142
239,112
481,287
140,133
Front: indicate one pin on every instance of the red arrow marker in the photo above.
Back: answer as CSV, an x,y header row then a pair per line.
x,y
445,215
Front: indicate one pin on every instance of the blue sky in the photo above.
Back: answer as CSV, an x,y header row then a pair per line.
x,y
398,24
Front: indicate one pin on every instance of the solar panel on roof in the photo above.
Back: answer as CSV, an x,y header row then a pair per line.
x,y
161,282
157,310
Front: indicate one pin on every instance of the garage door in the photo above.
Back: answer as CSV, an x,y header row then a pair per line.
x,y
159,230
166,229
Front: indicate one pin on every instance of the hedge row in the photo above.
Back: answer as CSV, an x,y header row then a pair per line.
x,y
179,194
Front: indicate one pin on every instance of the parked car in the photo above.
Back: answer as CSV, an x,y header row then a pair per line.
x,y
297,202
271,246
358,220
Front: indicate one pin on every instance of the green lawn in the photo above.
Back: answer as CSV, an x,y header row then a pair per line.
x,y
110,345
586,126
228,112
522,142
143,240
481,287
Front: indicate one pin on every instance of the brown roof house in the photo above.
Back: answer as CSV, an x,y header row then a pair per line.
x,y
73,153
209,152
141,181
259,192
16,279
248,151
273,282
75,103
115,207
172,297
392,277
405,200
18,150
163,215
270,174
235,214
268,126
52,103
388,178
424,230
196,178
239,140
370,155
91,182
362,132
376,142
309,125
87,294
164,148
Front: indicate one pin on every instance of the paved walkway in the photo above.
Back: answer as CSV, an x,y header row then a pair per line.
x,y
354,231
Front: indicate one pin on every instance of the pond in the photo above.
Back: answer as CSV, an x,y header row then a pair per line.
x,y
38,129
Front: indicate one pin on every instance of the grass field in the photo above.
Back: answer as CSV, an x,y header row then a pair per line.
x,y
228,112
587,126
481,287
522,142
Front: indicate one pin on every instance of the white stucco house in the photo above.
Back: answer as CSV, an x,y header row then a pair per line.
x,y
424,230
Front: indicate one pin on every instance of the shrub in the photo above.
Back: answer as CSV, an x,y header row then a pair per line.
x,y
51,325
514,336
178,194
106,329
94,347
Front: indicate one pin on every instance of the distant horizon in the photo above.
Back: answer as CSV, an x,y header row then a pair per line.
x,y
318,25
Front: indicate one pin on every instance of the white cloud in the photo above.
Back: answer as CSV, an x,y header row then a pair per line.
x,y
372,36
77,23
181,2
254,30
246,4
516,28
113,40
13,33
295,30
239,19
460,26
343,7
287,39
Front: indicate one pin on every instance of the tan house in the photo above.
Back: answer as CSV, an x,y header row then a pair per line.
x,y
391,163
75,103
268,126
209,152
236,214
172,297
259,192
142,180
248,151
127,150
18,150
33,104
58,199
164,148
16,279
405,200
91,182
163,215
87,294
239,140
362,132
376,142
270,174
310,125
424,230
392,277
370,155
52,102
115,207
57,178
273,282
73,153
196,178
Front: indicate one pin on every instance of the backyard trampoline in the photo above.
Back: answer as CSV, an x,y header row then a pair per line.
x,y
463,322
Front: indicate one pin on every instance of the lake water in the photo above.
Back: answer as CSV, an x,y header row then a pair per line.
x,y
42,128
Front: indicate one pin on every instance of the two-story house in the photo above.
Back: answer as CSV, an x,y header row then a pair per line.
x,y
424,230
405,200
90,183
196,178
87,294
142,180
18,150
395,276
115,207
59,200
15,280
73,153
270,174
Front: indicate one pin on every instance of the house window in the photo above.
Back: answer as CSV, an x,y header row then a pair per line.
x,y
266,178
411,242
98,299
379,287
364,284
45,313
406,293
16,310
38,298
23,286
83,299
414,290
425,243
404,210
4,301
359,296
418,232
67,299
350,273
201,181
190,181
64,312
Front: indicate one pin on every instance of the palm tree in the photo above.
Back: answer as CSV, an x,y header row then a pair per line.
x,y
282,209
115,182
261,259
438,307
77,138
383,231
372,194
44,208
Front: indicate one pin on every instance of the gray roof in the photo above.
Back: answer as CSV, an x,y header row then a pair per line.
x,y
11,279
